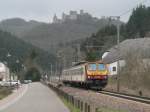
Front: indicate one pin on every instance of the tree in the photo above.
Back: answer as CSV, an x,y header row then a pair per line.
x,y
33,55
91,56
139,23
33,74
99,42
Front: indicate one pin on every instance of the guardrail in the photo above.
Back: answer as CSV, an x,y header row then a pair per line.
x,y
83,106
94,104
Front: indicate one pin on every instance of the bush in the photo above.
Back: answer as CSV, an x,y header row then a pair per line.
x,y
33,74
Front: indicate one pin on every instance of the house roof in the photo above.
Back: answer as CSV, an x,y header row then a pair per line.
x,y
140,45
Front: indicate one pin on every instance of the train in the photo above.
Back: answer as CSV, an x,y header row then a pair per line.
x,y
87,75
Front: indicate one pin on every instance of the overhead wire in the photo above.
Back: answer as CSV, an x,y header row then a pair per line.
x,y
137,3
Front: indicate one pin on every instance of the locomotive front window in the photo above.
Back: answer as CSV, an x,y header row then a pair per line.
x,y
92,67
101,67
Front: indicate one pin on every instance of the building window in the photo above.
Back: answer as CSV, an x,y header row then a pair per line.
x,y
114,69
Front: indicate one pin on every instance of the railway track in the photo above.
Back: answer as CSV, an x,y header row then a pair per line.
x,y
140,99
126,96
116,101
121,95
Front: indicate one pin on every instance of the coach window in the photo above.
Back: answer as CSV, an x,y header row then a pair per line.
x,y
101,67
82,71
92,67
75,72
78,71
114,69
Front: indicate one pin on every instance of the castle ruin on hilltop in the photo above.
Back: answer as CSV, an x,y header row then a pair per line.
x,y
73,15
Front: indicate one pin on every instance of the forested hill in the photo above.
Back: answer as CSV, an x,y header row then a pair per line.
x,y
46,35
138,26
19,50
18,26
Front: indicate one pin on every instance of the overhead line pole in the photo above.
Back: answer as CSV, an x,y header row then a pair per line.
x,y
118,63
51,73
118,48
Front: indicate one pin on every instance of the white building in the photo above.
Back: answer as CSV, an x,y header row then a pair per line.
x,y
4,72
138,46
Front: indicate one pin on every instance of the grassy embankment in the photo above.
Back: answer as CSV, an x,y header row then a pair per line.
x,y
131,83
4,92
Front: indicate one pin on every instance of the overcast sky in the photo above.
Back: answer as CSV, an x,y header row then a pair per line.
x,y
43,10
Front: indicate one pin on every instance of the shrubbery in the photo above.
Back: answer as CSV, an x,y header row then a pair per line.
x,y
33,74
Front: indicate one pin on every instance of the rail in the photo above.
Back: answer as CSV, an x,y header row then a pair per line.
x,y
86,105
127,96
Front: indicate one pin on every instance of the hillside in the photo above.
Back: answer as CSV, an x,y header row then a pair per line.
x,y
17,26
47,35
138,26
19,50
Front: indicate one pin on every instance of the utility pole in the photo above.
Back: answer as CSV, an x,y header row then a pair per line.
x,y
56,68
118,63
51,73
78,53
118,48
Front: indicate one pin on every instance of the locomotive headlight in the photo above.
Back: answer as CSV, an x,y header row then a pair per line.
x,y
105,77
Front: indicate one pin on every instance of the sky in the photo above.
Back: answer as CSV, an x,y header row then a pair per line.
x,y
44,10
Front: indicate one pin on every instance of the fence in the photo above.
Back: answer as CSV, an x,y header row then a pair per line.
x,y
83,106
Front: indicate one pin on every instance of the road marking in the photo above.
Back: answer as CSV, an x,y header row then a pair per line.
x,y
20,95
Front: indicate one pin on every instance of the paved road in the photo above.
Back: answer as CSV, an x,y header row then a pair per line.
x,y
38,98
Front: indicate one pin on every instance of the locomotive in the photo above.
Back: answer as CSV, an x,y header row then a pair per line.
x,y
86,74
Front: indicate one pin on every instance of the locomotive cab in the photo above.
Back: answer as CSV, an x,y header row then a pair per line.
x,y
97,74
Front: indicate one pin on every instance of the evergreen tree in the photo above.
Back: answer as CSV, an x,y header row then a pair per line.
x,y
139,22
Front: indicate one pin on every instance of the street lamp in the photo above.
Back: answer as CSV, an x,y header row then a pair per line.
x,y
8,55
61,59
17,62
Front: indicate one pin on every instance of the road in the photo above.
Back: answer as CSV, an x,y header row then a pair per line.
x,y
38,98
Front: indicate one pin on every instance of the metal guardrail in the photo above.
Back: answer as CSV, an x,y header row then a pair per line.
x,y
83,106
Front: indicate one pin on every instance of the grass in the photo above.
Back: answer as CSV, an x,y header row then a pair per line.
x,y
4,92
74,109
108,110
70,106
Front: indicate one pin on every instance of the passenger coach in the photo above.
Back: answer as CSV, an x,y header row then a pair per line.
x,y
87,74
